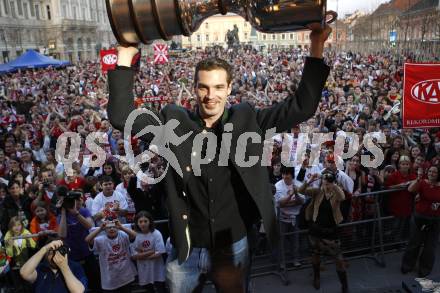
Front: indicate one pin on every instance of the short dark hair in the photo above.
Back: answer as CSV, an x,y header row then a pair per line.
x,y
287,170
212,64
106,178
62,190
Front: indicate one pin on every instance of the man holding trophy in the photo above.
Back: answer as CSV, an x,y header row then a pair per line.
x,y
212,213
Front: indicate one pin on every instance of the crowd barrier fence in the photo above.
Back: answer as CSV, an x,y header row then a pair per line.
x,y
368,238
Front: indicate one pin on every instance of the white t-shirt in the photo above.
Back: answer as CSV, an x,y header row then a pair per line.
x,y
309,172
116,267
107,203
150,270
287,214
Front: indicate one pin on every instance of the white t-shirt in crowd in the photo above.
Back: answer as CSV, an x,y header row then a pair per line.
x,y
287,214
102,202
150,270
116,267
310,170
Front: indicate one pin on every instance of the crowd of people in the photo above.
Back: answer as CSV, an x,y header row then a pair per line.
x,y
105,215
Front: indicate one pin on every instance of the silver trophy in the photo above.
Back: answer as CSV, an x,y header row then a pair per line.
x,y
142,21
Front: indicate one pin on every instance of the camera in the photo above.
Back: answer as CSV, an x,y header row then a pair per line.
x,y
70,198
110,224
46,184
63,250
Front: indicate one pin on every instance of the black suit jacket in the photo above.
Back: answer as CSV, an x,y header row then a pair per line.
x,y
245,118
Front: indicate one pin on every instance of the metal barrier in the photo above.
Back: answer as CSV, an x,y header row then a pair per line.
x,y
369,238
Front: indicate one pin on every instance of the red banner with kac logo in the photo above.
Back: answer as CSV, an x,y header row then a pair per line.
x,y
109,58
421,95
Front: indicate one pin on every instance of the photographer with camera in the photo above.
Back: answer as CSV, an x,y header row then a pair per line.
x,y
46,190
74,225
43,270
324,215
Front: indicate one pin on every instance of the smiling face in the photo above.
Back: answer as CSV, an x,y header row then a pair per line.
x,y
433,175
212,90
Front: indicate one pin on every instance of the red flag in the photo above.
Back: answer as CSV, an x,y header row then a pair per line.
x,y
160,53
109,58
421,96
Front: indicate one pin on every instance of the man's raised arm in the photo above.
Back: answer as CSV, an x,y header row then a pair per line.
x,y
121,100
301,106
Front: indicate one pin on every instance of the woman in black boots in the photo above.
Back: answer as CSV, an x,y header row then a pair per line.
x,y
324,215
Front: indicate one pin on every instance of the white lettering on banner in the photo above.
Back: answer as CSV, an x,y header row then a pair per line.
x,y
424,121
110,59
427,91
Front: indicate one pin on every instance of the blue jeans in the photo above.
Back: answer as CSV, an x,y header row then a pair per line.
x,y
226,268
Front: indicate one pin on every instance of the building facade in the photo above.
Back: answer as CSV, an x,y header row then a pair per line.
x,y
398,25
73,30
213,32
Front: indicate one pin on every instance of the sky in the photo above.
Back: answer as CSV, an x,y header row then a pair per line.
x,y
349,6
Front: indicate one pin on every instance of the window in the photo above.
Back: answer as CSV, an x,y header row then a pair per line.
x,y
83,13
25,10
245,36
1,13
206,25
74,12
19,7
37,11
207,37
5,55
198,38
32,8
245,24
64,11
13,9
6,6
283,36
48,12
291,36
274,37
264,37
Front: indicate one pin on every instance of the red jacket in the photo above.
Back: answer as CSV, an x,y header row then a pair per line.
x,y
400,203
429,195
